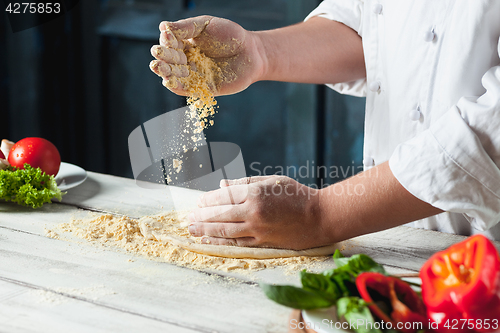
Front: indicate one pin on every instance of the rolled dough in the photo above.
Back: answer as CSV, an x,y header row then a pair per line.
x,y
243,252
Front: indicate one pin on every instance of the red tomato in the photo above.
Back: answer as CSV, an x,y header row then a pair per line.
x,y
37,152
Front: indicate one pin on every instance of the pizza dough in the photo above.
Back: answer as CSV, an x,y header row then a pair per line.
x,y
165,237
242,252
155,230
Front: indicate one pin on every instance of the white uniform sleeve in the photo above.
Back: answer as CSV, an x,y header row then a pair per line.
x,y
454,165
348,12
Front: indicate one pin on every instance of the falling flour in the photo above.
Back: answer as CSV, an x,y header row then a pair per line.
x,y
177,164
138,236
201,84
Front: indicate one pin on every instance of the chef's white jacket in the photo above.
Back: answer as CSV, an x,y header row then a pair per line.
x,y
432,92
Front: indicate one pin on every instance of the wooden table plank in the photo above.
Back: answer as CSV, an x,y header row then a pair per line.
x,y
124,196
157,290
29,308
404,247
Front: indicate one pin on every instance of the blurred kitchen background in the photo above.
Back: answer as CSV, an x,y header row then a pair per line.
x,y
82,81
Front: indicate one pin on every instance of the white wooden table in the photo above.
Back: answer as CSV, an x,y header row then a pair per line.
x,y
49,285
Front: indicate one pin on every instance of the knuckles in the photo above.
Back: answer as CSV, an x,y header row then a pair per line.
x,y
221,231
229,242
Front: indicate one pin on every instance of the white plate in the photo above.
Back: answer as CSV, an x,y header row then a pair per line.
x,y
69,176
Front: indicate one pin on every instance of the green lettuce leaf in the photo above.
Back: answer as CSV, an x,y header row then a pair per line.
x,y
28,187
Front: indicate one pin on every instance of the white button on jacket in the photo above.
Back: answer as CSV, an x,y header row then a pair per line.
x,y
377,8
429,35
368,161
450,158
374,86
415,114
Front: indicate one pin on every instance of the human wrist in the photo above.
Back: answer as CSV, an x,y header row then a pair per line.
x,y
322,208
262,43
340,212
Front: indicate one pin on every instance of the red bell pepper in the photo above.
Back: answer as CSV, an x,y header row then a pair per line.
x,y
405,304
461,287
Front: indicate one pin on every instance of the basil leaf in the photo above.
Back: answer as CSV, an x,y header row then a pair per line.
x,y
324,289
355,265
320,283
339,259
341,262
355,310
337,254
362,263
296,298
346,283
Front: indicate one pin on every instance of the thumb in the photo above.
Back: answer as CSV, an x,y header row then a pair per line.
x,y
187,28
244,181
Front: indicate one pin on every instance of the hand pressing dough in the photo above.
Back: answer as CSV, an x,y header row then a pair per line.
x,y
152,229
242,252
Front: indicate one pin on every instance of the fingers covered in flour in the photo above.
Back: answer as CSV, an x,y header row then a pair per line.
x,y
168,39
219,229
243,241
165,70
169,55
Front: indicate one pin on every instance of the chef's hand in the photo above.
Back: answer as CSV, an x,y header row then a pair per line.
x,y
225,42
276,211
267,211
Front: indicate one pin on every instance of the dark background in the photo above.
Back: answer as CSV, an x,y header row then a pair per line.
x,y
82,81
